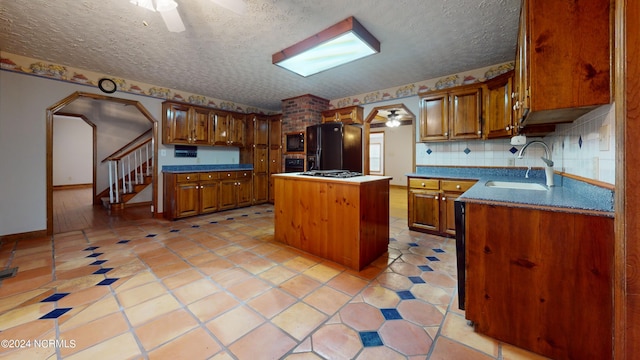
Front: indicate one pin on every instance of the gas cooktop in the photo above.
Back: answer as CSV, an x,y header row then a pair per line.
x,y
332,173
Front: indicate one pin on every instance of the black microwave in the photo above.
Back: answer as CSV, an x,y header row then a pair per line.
x,y
295,142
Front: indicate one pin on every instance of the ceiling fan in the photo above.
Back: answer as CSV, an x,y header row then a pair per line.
x,y
392,119
168,9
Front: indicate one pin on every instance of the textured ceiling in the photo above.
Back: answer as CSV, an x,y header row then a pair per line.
x,y
228,56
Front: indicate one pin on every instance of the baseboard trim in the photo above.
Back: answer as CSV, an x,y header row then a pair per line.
x,y
72,186
24,235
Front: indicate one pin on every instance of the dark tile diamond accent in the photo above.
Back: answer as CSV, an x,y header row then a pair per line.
x,y
580,142
432,258
405,295
90,248
392,239
123,241
213,222
269,210
151,235
413,244
513,150
106,282
425,268
55,297
98,262
438,250
55,313
416,280
94,255
102,271
429,151
245,215
391,314
229,218
370,338
257,212
174,230
195,226
466,151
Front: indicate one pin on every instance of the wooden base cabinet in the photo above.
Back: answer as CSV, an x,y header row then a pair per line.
x,y
189,194
431,204
235,189
541,280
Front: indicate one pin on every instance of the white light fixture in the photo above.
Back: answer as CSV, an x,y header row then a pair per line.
x,y
337,45
168,9
392,119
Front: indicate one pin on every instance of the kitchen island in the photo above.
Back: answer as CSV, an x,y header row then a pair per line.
x,y
345,220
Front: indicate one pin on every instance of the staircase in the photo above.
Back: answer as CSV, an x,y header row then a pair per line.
x,y
130,172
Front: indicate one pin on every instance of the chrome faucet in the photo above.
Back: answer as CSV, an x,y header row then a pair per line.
x,y
548,170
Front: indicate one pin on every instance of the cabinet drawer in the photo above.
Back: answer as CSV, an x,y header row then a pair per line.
x,y
456,185
424,184
209,176
243,174
228,175
187,177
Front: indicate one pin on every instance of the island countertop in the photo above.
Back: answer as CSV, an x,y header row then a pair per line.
x,y
352,180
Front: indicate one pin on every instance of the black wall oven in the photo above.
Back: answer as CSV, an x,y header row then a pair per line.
x,y
293,165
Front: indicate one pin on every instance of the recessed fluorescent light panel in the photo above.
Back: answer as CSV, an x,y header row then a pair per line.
x,y
342,43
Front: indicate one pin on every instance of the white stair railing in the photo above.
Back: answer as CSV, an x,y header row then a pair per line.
x,y
128,169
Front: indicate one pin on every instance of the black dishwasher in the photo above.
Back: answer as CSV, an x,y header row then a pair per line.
x,y
460,249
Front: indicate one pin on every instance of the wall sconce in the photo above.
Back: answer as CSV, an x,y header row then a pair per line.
x,y
337,45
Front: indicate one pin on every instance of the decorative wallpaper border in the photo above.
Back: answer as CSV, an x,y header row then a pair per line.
x,y
470,77
25,65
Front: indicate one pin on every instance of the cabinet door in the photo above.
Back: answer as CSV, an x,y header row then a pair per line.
x,y
448,216
209,196
465,113
245,195
177,126
275,133
260,159
228,194
434,115
201,127
498,109
261,130
221,127
260,188
521,77
187,199
237,130
424,210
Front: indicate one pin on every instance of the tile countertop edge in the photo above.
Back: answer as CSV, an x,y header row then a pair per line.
x,y
205,167
571,196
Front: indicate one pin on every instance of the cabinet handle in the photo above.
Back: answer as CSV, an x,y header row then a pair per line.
x,y
423,185
508,128
479,132
444,198
437,198
188,177
458,187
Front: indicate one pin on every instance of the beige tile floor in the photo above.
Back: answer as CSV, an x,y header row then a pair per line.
x,y
220,287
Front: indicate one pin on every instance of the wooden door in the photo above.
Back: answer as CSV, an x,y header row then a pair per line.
x,y
424,210
434,117
465,114
245,195
447,216
221,127
498,108
177,124
187,199
209,201
237,130
261,130
228,194
201,127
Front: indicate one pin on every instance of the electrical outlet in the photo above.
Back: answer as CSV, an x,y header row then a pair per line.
x,y
163,152
511,161
603,136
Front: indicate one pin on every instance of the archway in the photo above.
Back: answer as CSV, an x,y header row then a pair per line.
x,y
57,109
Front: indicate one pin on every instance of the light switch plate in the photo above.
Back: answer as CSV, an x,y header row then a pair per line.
x,y
603,136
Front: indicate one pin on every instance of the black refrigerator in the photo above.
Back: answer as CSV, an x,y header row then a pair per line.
x,y
334,146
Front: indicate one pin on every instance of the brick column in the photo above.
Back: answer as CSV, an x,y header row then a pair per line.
x,y
302,111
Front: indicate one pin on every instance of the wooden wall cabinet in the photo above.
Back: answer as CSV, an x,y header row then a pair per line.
x,y
229,128
346,115
431,204
275,152
541,280
185,124
451,114
563,60
189,194
257,148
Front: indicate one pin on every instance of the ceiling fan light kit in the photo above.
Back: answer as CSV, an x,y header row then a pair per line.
x,y
392,119
337,45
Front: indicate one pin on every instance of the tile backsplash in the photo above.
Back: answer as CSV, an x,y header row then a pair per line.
x,y
585,147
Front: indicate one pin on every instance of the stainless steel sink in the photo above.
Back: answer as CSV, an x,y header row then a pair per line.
x,y
515,185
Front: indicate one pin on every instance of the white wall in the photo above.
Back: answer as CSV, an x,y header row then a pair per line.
x,y
23,103
72,151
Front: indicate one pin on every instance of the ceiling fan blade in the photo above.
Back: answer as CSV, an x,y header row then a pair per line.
x,y
237,6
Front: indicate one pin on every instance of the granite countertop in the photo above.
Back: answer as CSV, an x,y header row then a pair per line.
x,y
568,194
351,180
205,168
